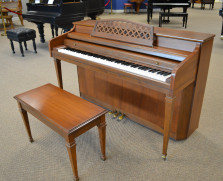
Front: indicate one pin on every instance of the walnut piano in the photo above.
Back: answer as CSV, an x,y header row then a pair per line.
x,y
155,76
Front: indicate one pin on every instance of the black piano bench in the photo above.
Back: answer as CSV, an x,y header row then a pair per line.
x,y
22,35
162,15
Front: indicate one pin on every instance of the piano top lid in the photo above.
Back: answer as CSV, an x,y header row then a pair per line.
x,y
183,34
165,32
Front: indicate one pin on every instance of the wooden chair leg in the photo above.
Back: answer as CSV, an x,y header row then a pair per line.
x,y
11,23
102,136
26,121
71,148
20,18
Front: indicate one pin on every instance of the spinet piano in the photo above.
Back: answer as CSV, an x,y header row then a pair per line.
x,y
221,14
61,13
166,4
154,76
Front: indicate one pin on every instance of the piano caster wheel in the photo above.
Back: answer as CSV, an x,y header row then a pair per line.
x,y
121,117
112,112
164,157
116,114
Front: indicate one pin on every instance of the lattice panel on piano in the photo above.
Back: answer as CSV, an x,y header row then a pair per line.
x,y
123,30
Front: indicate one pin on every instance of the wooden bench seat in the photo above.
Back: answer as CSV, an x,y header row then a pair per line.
x,y
65,113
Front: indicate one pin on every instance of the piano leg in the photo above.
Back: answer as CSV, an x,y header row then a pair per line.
x,y
41,32
169,104
56,30
57,64
52,30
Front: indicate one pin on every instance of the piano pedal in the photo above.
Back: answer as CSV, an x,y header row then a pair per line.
x,y
111,112
116,114
97,18
121,117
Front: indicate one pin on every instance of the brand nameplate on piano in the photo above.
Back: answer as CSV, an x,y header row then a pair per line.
x,y
125,31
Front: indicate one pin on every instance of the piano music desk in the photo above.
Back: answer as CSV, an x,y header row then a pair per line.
x,y
68,115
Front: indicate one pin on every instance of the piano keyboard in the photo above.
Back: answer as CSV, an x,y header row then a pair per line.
x,y
118,64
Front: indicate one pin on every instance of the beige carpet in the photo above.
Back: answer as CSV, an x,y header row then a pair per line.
x,y
133,151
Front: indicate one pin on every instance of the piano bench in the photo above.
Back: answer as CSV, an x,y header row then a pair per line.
x,y
162,15
68,115
21,35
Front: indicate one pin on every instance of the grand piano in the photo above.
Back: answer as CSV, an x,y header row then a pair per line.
x,y
155,76
166,5
221,14
61,13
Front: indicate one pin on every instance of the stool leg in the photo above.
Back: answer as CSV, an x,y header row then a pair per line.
x,y
25,45
34,45
12,46
71,148
102,135
21,49
186,22
26,121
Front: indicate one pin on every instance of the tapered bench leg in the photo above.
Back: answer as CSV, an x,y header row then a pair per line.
x,y
12,46
102,136
21,49
71,148
26,121
25,45
34,45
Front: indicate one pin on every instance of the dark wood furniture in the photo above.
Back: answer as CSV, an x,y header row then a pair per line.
x,y
21,35
221,14
12,5
65,113
166,5
163,15
203,2
61,13
184,55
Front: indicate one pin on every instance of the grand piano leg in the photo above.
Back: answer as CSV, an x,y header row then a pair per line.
x,y
52,30
41,32
57,64
169,103
56,30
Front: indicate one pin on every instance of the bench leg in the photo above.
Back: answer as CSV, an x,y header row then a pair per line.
x,y
102,135
34,45
21,49
12,46
71,148
26,121
25,45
